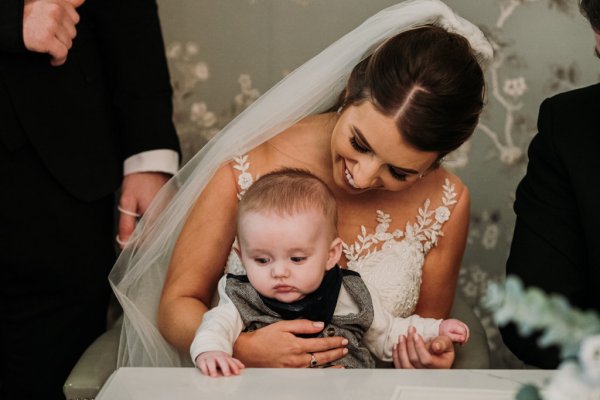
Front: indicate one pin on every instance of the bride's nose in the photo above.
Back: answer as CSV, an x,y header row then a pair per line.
x,y
367,173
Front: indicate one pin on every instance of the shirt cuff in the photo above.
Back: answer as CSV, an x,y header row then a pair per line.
x,y
163,160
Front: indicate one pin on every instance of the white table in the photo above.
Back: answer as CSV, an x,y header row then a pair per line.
x,y
315,384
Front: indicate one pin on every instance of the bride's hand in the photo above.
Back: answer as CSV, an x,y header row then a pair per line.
x,y
276,346
412,352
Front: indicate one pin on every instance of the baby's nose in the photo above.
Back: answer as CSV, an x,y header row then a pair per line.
x,y
279,270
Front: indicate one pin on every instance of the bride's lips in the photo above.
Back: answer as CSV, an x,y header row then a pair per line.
x,y
347,176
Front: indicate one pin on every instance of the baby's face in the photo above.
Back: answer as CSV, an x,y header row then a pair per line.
x,y
285,257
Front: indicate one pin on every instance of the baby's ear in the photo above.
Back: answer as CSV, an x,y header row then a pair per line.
x,y
335,252
236,248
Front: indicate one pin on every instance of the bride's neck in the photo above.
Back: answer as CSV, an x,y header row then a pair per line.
x,y
308,143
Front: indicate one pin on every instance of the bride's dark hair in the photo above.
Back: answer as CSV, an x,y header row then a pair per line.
x,y
429,81
591,10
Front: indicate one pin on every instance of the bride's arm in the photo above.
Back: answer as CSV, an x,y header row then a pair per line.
x,y
197,263
198,260
440,275
442,264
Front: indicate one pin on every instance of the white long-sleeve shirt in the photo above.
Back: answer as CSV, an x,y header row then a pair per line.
x,y
222,325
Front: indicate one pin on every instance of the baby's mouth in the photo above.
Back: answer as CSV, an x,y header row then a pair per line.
x,y
284,288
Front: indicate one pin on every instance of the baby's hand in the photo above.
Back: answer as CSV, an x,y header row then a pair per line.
x,y
217,363
457,330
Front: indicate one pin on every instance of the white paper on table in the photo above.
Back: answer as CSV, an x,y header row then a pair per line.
x,y
428,393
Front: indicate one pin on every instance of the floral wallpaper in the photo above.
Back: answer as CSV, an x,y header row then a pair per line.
x,y
224,54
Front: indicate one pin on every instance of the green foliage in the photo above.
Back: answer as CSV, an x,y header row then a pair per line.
x,y
532,310
528,392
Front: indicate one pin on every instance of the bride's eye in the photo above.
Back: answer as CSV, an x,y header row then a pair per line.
x,y
400,176
357,146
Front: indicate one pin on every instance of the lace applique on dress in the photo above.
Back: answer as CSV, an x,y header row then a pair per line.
x,y
395,269
244,181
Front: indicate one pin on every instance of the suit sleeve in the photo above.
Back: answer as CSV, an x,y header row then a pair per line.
x,y
11,26
132,47
547,249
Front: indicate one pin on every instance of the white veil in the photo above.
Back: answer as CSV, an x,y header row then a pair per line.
x,y
138,275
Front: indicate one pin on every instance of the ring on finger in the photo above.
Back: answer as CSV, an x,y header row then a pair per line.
x,y
313,361
121,242
127,212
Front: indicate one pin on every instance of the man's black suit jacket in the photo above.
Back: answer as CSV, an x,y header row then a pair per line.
x,y
110,100
556,242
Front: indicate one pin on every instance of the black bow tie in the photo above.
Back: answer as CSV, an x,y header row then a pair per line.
x,y
317,306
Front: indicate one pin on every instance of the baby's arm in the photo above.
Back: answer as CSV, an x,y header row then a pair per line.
x,y
213,343
386,329
456,330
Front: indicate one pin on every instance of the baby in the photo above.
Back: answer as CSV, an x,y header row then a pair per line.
x,y
288,244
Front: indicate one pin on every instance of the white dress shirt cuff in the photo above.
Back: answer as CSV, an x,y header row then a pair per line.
x,y
162,160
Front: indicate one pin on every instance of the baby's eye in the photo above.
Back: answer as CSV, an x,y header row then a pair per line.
x,y
297,259
261,260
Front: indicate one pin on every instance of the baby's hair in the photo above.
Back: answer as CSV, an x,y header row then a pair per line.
x,y
288,191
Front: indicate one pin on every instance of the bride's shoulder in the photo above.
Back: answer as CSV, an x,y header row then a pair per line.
x,y
448,190
299,145
310,130
448,181
438,186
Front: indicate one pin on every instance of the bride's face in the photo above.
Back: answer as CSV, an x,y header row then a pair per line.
x,y
369,153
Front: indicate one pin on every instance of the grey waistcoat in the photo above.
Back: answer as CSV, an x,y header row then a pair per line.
x,y
255,314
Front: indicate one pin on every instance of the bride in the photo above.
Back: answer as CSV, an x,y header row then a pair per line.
x,y
373,116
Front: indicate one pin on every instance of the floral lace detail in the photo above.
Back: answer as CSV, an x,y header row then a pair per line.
x,y
395,269
245,180
426,230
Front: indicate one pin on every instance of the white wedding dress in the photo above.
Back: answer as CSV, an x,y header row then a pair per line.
x,y
390,260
